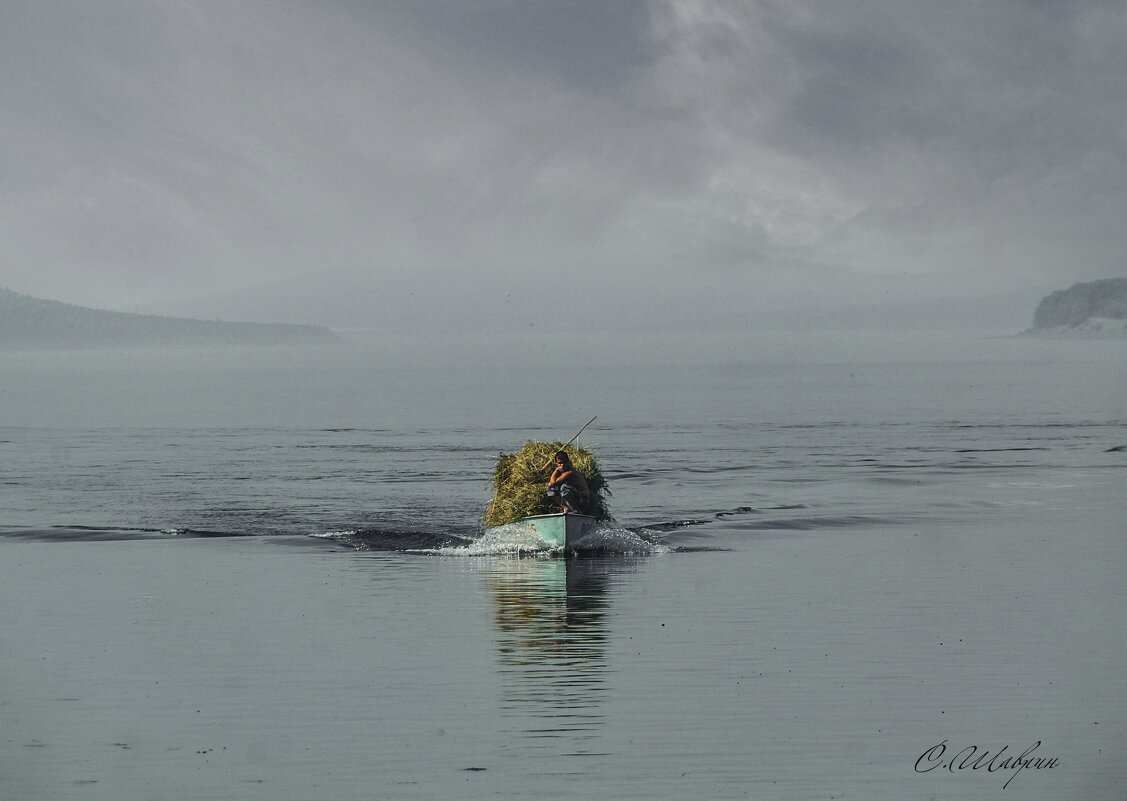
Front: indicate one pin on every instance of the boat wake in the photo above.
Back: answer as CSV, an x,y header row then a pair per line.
x,y
377,539
76,533
514,539
519,539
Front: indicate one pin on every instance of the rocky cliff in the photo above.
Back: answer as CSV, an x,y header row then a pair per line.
x,y
1094,306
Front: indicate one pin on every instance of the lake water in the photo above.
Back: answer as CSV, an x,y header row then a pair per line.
x,y
841,567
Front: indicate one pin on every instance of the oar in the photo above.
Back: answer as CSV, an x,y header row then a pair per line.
x,y
573,439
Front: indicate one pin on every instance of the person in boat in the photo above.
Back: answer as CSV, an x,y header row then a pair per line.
x,y
567,487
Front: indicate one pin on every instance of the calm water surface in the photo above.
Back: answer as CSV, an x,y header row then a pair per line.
x,y
261,575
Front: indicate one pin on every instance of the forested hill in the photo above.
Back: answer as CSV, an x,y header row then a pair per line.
x,y
32,322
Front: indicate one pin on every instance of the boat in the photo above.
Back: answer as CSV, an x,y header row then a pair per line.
x,y
560,530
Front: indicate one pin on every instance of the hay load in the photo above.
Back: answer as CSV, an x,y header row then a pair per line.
x,y
520,479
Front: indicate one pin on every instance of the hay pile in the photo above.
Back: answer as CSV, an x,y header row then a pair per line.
x,y
520,480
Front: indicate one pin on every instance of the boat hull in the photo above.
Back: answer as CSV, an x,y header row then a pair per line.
x,y
560,530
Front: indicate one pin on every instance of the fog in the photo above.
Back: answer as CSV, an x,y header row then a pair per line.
x,y
498,167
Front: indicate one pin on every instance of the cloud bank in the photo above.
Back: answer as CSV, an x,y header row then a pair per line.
x,y
685,158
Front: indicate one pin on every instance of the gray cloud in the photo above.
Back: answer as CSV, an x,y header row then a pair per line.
x,y
750,151
586,43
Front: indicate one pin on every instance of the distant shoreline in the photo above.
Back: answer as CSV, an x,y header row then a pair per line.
x,y
1074,333
34,323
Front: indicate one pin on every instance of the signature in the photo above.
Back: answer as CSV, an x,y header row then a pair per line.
x,y
974,758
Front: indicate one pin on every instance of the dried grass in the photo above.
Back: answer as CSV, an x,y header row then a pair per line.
x,y
520,480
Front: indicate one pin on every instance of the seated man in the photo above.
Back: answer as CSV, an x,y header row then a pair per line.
x,y
567,488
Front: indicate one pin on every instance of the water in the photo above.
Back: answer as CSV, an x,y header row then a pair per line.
x,y
260,574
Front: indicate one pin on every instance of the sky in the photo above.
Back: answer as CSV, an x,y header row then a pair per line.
x,y
659,162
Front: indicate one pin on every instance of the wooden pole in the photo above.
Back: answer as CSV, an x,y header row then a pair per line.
x,y
573,439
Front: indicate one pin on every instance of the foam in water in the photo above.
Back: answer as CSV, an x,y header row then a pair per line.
x,y
512,538
519,539
335,535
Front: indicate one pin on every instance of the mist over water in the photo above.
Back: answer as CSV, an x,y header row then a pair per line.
x,y
401,386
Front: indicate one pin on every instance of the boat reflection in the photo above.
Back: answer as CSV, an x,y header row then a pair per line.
x,y
551,637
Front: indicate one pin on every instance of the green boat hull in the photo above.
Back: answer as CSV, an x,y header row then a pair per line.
x,y
560,530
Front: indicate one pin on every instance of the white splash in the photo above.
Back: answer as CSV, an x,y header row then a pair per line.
x,y
517,539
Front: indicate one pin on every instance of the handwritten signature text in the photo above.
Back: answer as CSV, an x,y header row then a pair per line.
x,y
975,758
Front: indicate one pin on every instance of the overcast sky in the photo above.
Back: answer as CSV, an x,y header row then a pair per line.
x,y
712,152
